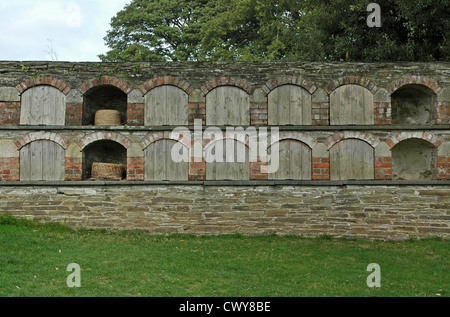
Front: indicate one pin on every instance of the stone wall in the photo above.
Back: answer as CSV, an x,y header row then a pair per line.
x,y
403,126
360,211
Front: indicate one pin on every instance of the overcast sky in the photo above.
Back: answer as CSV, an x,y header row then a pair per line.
x,y
73,29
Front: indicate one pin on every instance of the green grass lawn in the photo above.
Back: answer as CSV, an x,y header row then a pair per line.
x,y
34,259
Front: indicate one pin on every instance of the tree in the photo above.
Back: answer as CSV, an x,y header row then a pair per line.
x,y
259,30
158,30
410,31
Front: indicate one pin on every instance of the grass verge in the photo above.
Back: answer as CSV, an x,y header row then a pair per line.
x,y
34,258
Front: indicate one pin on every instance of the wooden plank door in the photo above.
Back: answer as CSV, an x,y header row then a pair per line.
x,y
235,166
43,105
351,159
352,105
289,105
294,161
159,164
227,106
42,160
166,105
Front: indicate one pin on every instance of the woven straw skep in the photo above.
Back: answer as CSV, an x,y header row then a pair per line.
x,y
107,170
107,117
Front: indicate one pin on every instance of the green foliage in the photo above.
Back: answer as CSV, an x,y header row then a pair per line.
x,y
257,30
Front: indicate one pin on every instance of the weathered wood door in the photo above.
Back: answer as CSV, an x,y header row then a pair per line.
x,y
159,164
289,105
227,106
351,159
166,105
235,163
42,160
43,105
351,104
294,161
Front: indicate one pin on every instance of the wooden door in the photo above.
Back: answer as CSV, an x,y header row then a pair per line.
x,y
43,105
42,160
235,163
159,164
289,105
227,106
166,105
351,105
294,161
351,159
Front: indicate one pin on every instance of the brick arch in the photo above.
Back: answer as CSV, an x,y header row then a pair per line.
x,y
98,136
166,80
105,80
48,81
227,81
337,137
426,136
157,136
410,80
289,80
351,80
34,136
303,138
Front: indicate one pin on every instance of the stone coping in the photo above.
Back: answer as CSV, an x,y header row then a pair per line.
x,y
229,183
190,127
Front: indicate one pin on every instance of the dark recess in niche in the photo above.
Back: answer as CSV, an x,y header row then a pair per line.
x,y
103,97
104,151
414,159
413,104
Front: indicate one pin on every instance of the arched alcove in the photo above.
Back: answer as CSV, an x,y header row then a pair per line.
x,y
351,159
43,105
42,160
103,97
166,105
160,165
234,165
413,104
289,105
227,105
103,151
351,104
294,161
414,159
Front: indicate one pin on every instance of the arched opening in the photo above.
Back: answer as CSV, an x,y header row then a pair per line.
x,y
166,105
42,160
413,104
289,105
227,159
160,165
103,151
227,105
414,159
294,161
43,105
351,105
351,159
101,98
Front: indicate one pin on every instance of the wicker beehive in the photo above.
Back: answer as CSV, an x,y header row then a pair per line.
x,y
107,170
107,117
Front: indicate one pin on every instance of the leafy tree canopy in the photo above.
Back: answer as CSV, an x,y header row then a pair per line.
x,y
261,30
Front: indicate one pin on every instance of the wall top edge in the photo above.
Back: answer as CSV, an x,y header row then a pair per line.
x,y
226,183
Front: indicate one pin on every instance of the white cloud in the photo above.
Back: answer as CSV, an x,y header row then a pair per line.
x,y
75,28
